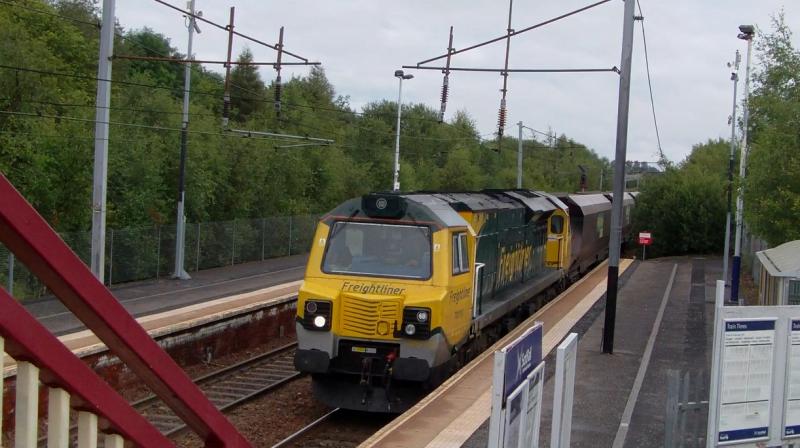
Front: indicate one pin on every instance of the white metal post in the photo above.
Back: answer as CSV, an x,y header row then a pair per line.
x,y
566,357
26,419
519,157
87,430
114,441
396,177
180,232
737,251
735,79
102,115
719,302
57,418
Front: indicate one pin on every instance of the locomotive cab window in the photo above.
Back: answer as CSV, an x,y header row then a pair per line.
x,y
460,257
557,224
379,250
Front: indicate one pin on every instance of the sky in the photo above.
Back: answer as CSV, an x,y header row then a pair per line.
x,y
360,44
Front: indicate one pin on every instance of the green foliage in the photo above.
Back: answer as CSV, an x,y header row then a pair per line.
x,y
49,156
772,185
685,206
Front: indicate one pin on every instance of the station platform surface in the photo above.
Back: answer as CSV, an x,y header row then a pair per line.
x,y
155,296
663,323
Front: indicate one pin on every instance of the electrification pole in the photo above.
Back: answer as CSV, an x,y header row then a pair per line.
x,y
747,33
396,178
180,232
735,79
519,157
623,106
102,115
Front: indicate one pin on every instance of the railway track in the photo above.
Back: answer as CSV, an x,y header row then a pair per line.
x,y
306,429
340,428
226,388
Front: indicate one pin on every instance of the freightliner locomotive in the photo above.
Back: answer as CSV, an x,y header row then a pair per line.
x,y
402,289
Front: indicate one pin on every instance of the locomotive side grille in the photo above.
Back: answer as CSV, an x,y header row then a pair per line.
x,y
361,316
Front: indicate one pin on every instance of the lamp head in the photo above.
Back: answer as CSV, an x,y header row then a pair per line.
x,y
400,74
746,32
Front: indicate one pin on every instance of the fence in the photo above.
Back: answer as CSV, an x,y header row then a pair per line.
x,y
687,409
141,253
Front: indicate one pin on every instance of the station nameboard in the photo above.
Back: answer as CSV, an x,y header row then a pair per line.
x,y
521,357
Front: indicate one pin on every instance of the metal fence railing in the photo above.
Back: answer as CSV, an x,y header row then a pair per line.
x,y
141,253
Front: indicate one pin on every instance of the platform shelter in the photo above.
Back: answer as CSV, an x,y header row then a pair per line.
x,y
779,275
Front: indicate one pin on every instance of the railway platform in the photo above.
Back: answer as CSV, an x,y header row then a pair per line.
x,y
664,322
151,297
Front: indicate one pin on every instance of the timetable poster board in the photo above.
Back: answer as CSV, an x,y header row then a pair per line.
x,y
530,431
791,426
514,414
745,394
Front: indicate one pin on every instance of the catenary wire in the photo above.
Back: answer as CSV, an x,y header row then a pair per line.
x,y
650,84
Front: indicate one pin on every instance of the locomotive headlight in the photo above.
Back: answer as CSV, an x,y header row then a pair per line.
x,y
317,314
410,329
422,316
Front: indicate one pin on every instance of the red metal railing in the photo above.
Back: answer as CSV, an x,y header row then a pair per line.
x,y
34,243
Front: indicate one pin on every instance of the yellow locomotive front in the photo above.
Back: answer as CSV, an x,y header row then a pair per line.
x,y
381,313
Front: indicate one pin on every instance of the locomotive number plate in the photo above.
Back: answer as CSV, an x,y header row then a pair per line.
x,y
369,350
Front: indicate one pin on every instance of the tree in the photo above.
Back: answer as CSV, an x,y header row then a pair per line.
x,y
247,88
772,184
685,206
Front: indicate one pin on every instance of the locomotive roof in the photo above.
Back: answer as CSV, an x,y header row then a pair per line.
x,y
533,200
441,209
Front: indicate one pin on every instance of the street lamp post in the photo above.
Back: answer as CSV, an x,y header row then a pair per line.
x,y
735,79
747,33
180,231
396,179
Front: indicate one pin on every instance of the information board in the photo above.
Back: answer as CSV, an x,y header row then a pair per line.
x,y
530,431
746,390
791,424
514,416
754,398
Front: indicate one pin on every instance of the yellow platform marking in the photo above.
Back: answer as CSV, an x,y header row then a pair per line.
x,y
84,343
454,411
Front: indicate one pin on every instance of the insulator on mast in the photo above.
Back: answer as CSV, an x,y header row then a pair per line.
x,y
278,88
501,118
445,91
226,109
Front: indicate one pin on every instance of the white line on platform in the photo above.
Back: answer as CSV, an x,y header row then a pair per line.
x,y
624,424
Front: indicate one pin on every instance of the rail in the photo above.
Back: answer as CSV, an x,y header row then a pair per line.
x,y
70,383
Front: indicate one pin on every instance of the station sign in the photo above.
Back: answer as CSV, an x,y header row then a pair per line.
x,y
517,379
645,238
